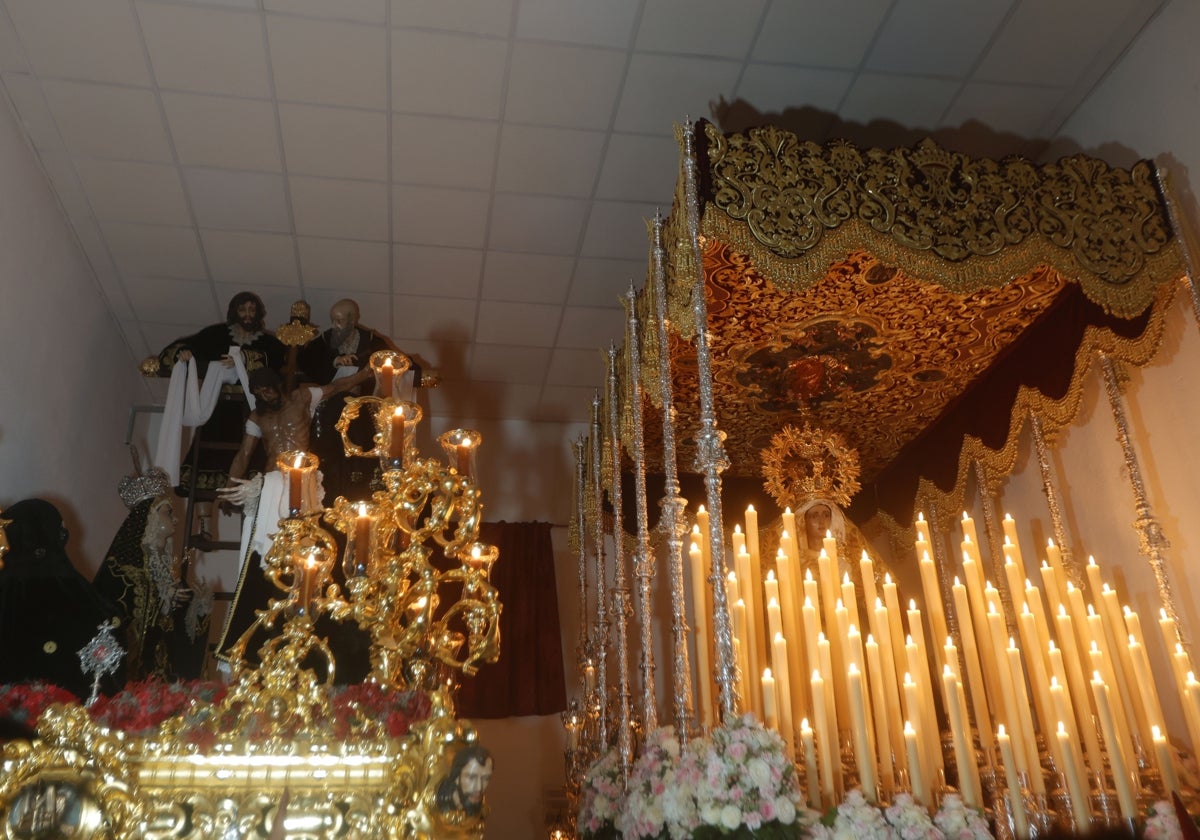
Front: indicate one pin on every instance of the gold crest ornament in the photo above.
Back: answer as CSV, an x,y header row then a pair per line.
x,y
810,463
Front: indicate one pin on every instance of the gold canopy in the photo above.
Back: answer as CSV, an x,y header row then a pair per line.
x,y
917,301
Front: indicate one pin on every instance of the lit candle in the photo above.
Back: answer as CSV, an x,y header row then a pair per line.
x,y
463,451
783,690
812,792
866,568
1095,583
1016,803
1015,578
1162,750
308,582
812,632
1029,762
1145,680
754,599
879,709
1081,705
295,484
774,618
396,439
933,596
589,677
828,749
850,599
916,780
971,656
1080,806
922,527
1190,715
770,717
963,758
747,590
1192,690
863,756
789,612
385,378
891,601
700,625
1116,757
1010,539
891,686
789,521
739,540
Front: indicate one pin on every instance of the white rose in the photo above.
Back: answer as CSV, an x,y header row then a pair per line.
x,y
785,811
731,817
760,772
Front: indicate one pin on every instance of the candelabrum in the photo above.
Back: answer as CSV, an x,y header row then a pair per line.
x,y
417,578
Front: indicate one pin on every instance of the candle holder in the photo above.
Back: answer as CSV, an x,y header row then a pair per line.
x,y
299,470
313,561
389,368
460,446
479,556
367,533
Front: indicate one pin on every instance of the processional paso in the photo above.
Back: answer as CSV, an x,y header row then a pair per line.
x,y
416,579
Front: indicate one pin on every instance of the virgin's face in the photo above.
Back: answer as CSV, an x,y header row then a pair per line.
x,y
817,520
160,522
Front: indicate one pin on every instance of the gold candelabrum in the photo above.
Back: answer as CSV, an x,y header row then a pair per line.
x,y
417,580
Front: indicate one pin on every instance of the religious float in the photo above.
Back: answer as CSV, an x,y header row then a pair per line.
x,y
830,318
280,751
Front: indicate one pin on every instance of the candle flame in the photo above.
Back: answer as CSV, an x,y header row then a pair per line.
x,y
1095,648
737,529
766,673
912,604
388,363
750,509
1096,677
362,508
845,578
808,602
399,412
299,462
771,576
1000,731
966,517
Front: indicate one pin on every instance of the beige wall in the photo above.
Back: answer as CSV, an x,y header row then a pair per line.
x,y
68,378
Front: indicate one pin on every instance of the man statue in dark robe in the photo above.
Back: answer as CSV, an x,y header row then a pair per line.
x,y
343,352
244,327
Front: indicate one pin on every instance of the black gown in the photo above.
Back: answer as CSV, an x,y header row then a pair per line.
x,y
48,610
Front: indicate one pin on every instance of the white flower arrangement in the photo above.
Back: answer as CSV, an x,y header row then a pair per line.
x,y
601,796
958,821
652,804
1163,822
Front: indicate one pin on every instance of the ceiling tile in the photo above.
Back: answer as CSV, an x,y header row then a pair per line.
x,y
206,50
603,282
465,403
364,11
452,272
244,5
81,39
565,404
519,324
548,161
12,54
433,216
111,122
449,359
951,36
339,209
338,142
580,367
661,90
1019,109
328,63
607,24
222,132
521,365
60,169
772,88
344,264
434,319
160,299
618,229
443,151
1053,42
573,87
533,278
638,167
479,17
155,251
244,200
911,101
820,33
467,86
134,192
95,248
700,27
591,328
33,111
536,223
250,258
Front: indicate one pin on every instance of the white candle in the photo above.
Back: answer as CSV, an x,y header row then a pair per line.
x,y
813,791
1016,803
864,758
1080,806
916,780
770,717
828,748
783,687
963,758
1116,757
1165,764
700,625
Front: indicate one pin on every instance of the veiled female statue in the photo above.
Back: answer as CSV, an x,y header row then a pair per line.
x,y
162,627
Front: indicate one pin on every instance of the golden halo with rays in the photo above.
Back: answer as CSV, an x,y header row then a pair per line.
x,y
810,463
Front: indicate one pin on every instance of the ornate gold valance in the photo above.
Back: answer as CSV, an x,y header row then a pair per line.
x,y
873,292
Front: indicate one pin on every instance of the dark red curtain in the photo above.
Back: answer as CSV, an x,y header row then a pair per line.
x,y
528,678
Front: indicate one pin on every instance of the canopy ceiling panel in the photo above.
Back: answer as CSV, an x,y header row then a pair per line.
x,y
919,302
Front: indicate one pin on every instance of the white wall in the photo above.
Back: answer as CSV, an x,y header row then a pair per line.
x,y
68,378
